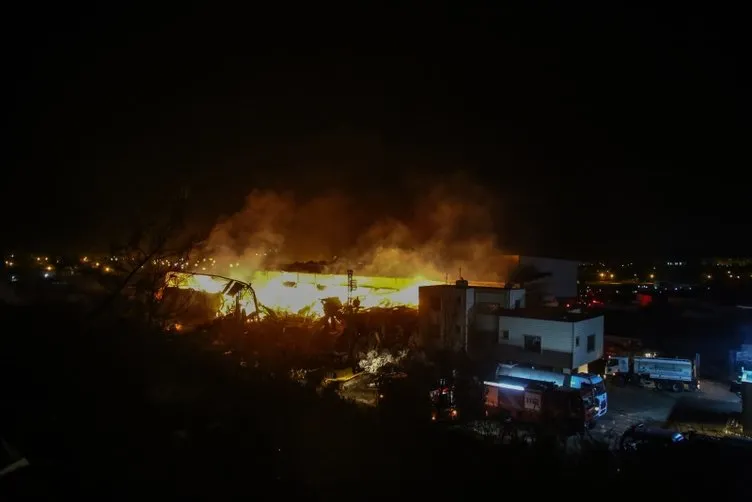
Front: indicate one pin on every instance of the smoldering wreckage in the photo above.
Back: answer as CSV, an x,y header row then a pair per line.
x,y
342,321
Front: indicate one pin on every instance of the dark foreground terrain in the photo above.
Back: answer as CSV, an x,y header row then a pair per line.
x,y
108,410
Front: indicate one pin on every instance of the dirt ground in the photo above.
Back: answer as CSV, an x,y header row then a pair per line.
x,y
706,410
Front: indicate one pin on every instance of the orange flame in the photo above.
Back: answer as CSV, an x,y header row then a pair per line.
x,y
302,292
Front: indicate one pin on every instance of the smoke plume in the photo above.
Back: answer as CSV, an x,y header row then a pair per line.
x,y
447,231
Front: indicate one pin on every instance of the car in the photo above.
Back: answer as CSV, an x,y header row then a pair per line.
x,y
641,437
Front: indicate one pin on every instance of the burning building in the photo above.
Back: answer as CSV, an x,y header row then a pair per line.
x,y
303,293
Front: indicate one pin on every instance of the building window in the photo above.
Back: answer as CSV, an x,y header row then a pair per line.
x,y
504,336
591,343
577,341
533,344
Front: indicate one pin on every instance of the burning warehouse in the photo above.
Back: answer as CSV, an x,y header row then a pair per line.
x,y
301,293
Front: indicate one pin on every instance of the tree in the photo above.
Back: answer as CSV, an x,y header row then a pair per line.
x,y
143,263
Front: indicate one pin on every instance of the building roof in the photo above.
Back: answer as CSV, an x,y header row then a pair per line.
x,y
552,314
487,285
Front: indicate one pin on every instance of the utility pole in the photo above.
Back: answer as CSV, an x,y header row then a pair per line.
x,y
352,285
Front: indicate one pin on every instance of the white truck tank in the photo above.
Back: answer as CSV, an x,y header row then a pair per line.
x,y
572,381
665,369
668,373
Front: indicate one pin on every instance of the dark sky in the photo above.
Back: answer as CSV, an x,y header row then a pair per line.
x,y
603,131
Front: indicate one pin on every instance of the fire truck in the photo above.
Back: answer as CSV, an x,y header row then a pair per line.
x,y
585,381
562,410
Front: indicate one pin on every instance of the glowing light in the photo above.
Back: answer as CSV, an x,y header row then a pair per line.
x,y
505,386
302,293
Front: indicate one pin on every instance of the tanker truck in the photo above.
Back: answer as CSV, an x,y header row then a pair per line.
x,y
661,372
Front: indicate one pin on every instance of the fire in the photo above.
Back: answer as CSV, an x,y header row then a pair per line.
x,y
302,292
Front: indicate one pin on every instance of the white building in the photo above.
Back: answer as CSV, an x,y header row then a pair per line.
x,y
551,337
492,325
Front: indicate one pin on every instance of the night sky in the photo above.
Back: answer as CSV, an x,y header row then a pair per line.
x,y
602,131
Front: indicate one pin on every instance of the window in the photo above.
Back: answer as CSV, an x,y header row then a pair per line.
x,y
577,341
503,335
533,344
591,343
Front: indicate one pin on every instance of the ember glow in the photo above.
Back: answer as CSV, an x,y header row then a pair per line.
x,y
302,292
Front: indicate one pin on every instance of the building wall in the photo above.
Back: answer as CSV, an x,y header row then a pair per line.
x,y
583,329
443,316
559,347
562,283
447,313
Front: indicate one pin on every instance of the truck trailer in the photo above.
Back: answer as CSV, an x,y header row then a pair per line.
x,y
663,373
563,410
590,382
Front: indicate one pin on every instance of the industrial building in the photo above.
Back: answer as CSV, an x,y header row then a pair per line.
x,y
492,324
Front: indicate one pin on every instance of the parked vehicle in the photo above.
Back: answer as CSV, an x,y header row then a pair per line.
x,y
661,452
739,360
443,402
663,373
563,410
587,381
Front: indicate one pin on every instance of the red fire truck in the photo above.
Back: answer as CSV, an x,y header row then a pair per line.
x,y
563,410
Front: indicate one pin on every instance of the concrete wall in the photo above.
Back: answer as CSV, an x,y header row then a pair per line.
x,y
559,347
443,316
562,283
447,313
583,329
